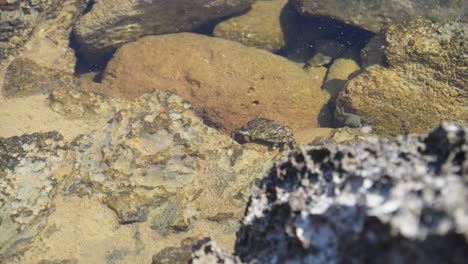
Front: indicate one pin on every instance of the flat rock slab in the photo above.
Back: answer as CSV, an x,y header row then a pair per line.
x,y
227,83
373,15
112,23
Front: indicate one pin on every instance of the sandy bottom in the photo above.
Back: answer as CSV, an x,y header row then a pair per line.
x,y
86,231
27,115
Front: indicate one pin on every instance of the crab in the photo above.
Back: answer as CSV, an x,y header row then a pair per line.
x,y
266,132
348,119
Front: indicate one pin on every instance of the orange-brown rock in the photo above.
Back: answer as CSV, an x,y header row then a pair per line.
x,y
227,83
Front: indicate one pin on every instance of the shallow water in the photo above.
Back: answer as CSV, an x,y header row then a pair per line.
x,y
169,112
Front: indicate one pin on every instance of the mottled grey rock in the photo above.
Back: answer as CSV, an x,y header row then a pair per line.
x,y
380,201
373,15
30,168
112,23
209,253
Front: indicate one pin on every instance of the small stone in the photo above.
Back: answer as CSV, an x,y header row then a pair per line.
x,y
265,131
268,25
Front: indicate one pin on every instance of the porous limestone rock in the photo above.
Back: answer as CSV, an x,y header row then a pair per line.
x,y
268,25
30,168
373,15
155,150
209,252
227,83
152,180
112,23
380,201
424,83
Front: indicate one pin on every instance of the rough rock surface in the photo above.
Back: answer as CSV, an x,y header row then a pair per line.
x,y
150,152
380,201
209,253
30,167
373,15
227,83
145,185
24,77
424,83
18,20
267,25
75,103
112,23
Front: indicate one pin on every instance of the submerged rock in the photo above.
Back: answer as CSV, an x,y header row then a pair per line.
x,y
113,23
75,103
380,201
155,150
268,25
374,15
24,77
424,84
149,179
30,168
18,20
227,83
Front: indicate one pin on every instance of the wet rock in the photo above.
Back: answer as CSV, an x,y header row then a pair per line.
x,y
380,201
18,20
157,162
343,135
325,52
338,74
30,168
424,83
374,52
24,77
374,16
210,252
228,84
176,255
265,131
112,23
267,25
75,103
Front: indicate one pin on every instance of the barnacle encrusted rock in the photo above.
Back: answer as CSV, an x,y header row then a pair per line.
x,y
30,168
380,201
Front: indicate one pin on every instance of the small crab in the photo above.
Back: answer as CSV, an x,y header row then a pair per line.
x,y
266,132
348,119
